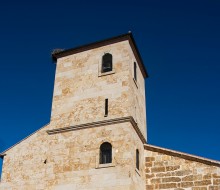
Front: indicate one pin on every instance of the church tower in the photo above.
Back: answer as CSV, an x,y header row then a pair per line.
x,y
102,81
99,102
98,123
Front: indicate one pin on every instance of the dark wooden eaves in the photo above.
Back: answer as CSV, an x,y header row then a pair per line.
x,y
58,54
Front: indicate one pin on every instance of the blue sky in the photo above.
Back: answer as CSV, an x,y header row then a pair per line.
x,y
179,42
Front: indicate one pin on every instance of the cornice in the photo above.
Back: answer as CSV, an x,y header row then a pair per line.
x,y
100,124
2,156
63,53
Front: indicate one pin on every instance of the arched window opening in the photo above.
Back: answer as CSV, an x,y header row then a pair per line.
x,y
137,159
105,153
106,63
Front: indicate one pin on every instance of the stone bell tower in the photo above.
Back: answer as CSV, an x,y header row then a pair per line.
x,y
99,96
86,77
98,124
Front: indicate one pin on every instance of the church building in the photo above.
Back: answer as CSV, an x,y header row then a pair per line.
x,y
97,137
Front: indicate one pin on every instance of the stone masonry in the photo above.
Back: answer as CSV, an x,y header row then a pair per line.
x,y
80,89
65,154
167,169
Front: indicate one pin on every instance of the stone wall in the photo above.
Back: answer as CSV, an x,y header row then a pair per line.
x,y
71,161
167,169
80,88
138,95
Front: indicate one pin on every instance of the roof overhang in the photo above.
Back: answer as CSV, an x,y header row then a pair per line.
x,y
97,44
183,155
2,155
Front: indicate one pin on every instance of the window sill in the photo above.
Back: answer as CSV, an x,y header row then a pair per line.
x,y
105,165
106,73
137,171
135,82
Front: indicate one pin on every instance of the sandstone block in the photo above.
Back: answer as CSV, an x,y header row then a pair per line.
x,y
202,183
187,184
167,185
171,179
172,168
216,181
158,169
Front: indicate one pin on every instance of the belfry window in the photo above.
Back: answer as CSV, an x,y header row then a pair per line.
x,y
137,159
106,63
105,153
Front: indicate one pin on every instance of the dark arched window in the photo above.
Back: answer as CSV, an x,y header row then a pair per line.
x,y
137,159
105,153
106,62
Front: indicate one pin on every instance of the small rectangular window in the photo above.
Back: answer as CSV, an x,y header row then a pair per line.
x,y
137,159
135,71
106,107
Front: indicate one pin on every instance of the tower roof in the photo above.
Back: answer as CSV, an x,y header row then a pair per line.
x,y
58,54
